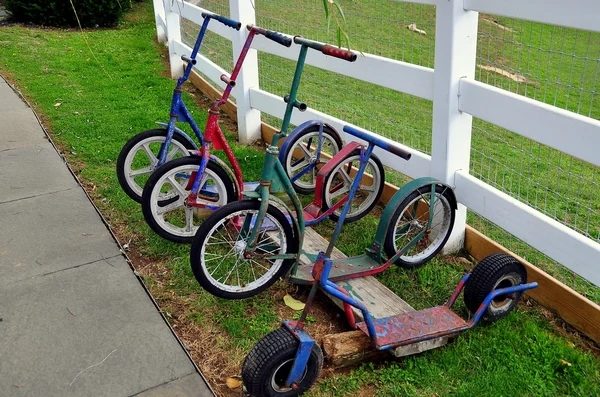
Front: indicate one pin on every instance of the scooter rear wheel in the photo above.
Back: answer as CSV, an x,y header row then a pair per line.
x,y
495,271
268,365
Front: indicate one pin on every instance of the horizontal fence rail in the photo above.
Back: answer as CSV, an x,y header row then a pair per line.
x,y
533,119
579,14
568,132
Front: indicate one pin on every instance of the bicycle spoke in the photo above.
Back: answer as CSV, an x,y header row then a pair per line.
x,y
168,208
141,171
189,219
177,186
151,156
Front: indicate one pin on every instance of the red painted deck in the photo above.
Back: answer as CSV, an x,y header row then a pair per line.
x,y
407,328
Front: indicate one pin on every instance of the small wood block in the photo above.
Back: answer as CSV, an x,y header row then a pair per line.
x,y
379,300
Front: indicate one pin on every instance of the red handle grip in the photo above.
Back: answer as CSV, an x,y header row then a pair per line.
x,y
338,53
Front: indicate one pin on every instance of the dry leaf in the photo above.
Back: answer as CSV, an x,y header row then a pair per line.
x,y
568,364
413,27
293,303
57,104
233,383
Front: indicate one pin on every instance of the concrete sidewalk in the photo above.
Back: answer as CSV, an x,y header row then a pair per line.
x,y
74,319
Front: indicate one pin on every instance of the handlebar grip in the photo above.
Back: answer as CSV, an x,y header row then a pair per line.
x,y
225,21
338,53
399,152
278,38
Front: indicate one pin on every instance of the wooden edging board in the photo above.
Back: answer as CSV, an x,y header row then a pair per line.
x,y
573,307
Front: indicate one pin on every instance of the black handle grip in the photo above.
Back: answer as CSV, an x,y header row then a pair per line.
x,y
338,53
278,38
399,152
225,21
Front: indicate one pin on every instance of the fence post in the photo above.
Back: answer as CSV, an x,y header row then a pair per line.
x,y
173,20
160,19
455,56
248,118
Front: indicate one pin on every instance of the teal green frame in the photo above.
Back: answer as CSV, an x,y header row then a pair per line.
x,y
273,178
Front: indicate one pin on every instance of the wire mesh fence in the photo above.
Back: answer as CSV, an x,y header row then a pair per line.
x,y
554,65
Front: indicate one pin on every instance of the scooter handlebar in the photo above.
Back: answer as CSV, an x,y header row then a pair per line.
x,y
390,147
225,21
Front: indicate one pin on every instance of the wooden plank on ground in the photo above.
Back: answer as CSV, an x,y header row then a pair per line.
x,y
350,347
574,308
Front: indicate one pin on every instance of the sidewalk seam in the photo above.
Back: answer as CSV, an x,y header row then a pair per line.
x,y
164,383
37,195
104,259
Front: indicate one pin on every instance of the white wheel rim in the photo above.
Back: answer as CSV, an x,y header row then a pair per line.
x,y
440,225
178,209
143,146
329,146
275,386
339,173
230,242
508,280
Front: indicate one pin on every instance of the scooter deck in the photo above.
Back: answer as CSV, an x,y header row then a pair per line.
x,y
342,269
411,327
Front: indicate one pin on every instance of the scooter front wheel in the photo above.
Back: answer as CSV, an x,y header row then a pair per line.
x,y
268,365
425,212
219,258
301,152
139,158
164,200
338,183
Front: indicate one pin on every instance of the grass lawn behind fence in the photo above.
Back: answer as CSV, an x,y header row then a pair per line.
x,y
92,102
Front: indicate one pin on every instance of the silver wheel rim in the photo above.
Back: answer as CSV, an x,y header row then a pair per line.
x,y
340,183
176,218
274,379
502,302
294,165
222,254
435,234
143,150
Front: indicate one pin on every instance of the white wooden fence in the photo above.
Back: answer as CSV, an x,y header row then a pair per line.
x,y
456,96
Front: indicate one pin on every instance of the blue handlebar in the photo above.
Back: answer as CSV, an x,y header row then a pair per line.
x,y
398,151
225,21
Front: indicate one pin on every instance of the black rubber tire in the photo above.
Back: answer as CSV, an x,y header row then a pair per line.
x,y
291,238
373,160
331,133
131,143
388,244
497,270
155,177
269,353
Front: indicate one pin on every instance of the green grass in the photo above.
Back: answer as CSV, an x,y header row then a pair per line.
x,y
97,114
